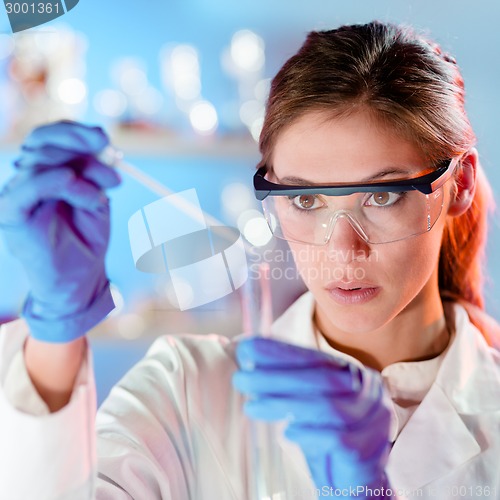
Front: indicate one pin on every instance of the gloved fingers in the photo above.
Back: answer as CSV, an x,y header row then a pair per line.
x,y
68,135
86,223
266,352
333,465
25,193
83,164
323,380
336,412
48,156
100,174
369,444
315,440
79,193
62,251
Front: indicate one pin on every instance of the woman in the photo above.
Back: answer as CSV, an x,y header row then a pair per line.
x,y
381,383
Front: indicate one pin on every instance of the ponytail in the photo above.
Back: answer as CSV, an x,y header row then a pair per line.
x,y
462,259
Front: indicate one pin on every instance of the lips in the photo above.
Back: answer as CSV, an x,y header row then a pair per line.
x,y
350,285
353,292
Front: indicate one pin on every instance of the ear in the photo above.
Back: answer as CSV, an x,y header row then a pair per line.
x,y
465,184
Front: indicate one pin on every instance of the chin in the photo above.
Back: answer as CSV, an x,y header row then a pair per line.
x,y
353,318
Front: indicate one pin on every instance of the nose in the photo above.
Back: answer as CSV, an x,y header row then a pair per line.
x,y
346,238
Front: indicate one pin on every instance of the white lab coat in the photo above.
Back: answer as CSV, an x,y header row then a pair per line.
x,y
173,427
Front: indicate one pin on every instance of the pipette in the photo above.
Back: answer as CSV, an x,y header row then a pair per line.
x,y
114,158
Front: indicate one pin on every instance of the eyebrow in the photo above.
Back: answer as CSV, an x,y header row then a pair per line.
x,y
298,181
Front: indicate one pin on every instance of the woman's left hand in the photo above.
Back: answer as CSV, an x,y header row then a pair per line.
x,y
338,413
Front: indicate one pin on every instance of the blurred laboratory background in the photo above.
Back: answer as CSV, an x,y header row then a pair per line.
x,y
180,86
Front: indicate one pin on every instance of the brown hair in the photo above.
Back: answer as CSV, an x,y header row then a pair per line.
x,y
407,82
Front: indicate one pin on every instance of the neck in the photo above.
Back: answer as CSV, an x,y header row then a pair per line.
x,y
417,333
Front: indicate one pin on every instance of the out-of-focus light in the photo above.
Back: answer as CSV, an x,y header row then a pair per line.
x,y
252,115
183,104
130,75
245,216
48,40
257,232
133,81
236,198
273,222
117,299
184,72
185,59
131,326
72,91
250,111
256,128
247,50
110,103
182,293
170,294
187,88
203,117
261,90
149,101
6,46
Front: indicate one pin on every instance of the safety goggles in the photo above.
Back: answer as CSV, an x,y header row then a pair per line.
x,y
380,211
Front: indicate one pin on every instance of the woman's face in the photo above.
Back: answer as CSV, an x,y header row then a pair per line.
x,y
393,276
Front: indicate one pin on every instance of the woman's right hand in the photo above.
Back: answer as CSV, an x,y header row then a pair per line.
x,y
54,216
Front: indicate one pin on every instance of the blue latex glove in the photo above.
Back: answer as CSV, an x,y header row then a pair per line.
x,y
338,414
54,216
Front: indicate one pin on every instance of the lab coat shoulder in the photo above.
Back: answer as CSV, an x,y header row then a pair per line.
x,y
451,445
175,411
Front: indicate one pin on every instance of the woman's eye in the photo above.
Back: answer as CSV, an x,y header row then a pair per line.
x,y
306,202
383,199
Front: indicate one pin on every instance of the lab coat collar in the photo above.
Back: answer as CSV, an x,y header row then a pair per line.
x,y
295,325
468,375
467,383
433,443
470,390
